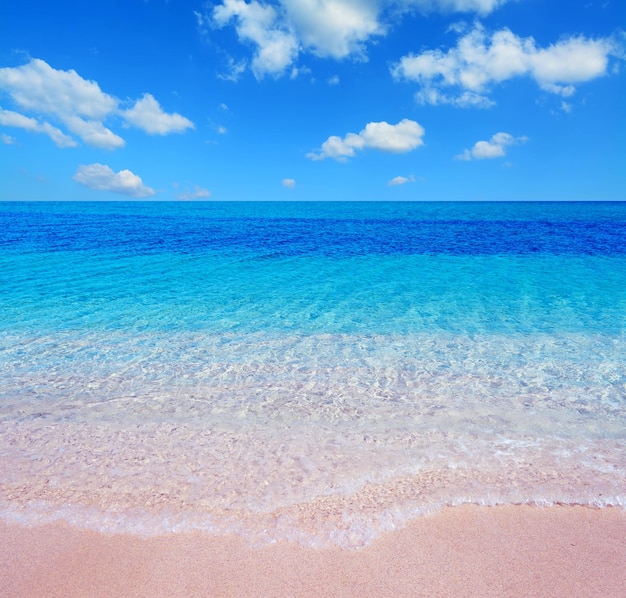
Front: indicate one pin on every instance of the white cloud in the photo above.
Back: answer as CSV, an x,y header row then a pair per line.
x,y
195,193
102,178
289,183
466,99
481,60
403,137
482,7
79,105
8,118
147,115
401,180
494,148
276,45
7,139
334,28
76,102
94,133
334,80
37,87
280,30
457,27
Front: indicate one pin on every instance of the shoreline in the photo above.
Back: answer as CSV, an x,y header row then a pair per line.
x,y
512,550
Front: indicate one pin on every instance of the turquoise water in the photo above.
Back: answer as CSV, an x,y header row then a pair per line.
x,y
313,371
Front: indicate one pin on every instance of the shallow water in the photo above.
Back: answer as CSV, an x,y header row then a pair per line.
x,y
317,372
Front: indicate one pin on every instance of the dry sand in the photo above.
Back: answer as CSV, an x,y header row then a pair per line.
x,y
461,551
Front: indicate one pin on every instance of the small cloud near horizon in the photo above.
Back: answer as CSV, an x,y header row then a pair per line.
x,y
196,193
401,180
102,178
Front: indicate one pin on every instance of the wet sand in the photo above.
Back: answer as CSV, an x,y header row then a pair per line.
x,y
461,551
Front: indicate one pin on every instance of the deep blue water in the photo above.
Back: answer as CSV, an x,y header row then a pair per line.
x,y
342,229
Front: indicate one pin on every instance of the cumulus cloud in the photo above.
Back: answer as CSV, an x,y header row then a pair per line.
x,y
8,118
403,137
280,30
401,180
494,148
79,105
334,28
196,193
463,75
147,115
289,183
276,45
102,178
7,139
37,87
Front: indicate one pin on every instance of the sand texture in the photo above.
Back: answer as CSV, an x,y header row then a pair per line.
x,y
461,551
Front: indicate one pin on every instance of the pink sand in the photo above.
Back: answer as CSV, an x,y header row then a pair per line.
x,y
461,551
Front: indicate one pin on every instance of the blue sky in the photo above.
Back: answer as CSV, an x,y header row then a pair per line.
x,y
313,100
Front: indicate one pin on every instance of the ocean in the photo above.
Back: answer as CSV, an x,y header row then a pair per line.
x,y
318,372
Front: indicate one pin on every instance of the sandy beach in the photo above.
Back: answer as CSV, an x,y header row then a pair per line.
x,y
460,551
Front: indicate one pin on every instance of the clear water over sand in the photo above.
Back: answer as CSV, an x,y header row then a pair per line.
x,y
318,372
